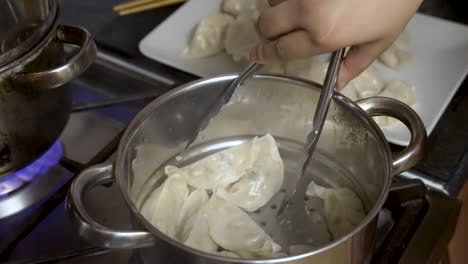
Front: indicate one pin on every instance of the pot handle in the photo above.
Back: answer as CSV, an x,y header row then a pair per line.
x,y
63,74
413,153
88,228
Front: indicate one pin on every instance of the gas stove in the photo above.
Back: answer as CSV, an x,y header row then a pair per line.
x,y
415,225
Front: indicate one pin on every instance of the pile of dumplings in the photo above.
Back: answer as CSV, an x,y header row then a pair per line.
x,y
204,205
233,31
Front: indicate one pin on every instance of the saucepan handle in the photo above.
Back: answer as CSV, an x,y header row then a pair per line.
x,y
88,228
63,74
413,153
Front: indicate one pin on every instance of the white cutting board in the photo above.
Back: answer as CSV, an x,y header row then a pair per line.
x,y
439,64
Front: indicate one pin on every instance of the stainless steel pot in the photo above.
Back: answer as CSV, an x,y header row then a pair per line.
x,y
352,152
35,103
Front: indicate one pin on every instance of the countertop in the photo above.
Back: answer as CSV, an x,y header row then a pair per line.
x,y
447,158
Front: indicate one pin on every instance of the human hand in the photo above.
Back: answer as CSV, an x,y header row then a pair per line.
x,y
302,28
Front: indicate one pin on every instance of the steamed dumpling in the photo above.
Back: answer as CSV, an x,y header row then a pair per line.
x,y
316,72
273,68
350,92
393,57
192,224
241,36
208,37
403,41
233,230
368,83
163,206
247,175
296,67
343,209
398,90
217,170
251,8
401,91
261,180
398,53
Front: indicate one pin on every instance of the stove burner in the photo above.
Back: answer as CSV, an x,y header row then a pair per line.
x,y
40,166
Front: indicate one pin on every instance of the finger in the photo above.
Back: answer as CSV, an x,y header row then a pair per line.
x,y
275,2
290,46
358,59
278,20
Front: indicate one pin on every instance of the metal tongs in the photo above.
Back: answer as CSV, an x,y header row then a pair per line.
x,y
224,98
319,119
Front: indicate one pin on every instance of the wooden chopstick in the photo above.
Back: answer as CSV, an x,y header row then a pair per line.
x,y
130,4
144,5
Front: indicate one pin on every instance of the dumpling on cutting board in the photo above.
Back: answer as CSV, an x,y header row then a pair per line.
x,y
315,71
251,8
298,66
207,39
369,83
234,230
403,41
350,92
241,35
273,68
163,205
394,57
400,91
343,208
398,53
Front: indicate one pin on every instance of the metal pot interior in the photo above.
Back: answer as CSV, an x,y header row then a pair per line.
x,y
351,152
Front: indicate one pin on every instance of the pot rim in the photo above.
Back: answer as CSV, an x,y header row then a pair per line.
x,y
147,110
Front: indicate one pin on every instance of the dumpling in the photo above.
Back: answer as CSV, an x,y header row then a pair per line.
x,y
251,8
248,175
233,230
350,92
398,90
163,206
401,91
273,68
296,67
398,53
261,180
403,41
368,83
241,35
208,37
343,209
192,224
217,170
316,72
